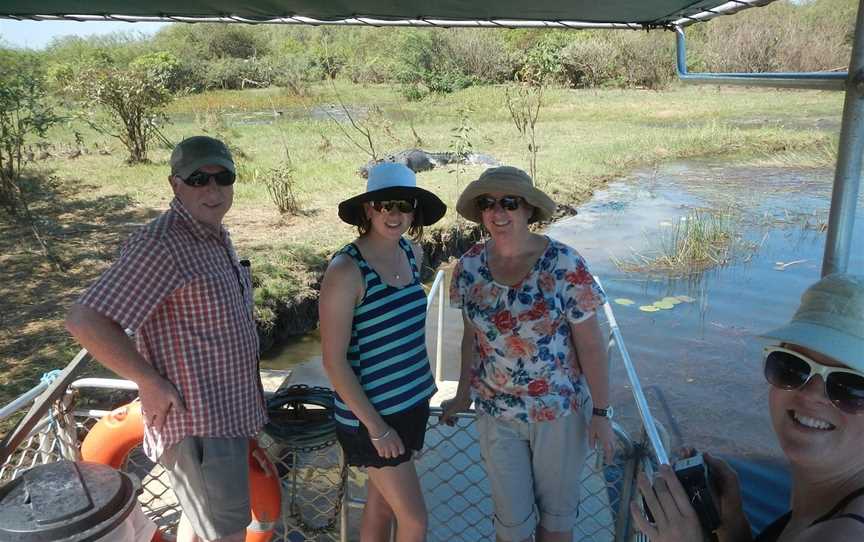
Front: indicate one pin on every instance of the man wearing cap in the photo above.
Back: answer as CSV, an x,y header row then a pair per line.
x,y
179,287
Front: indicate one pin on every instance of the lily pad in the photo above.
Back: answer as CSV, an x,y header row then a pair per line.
x,y
685,299
673,300
648,308
624,301
665,305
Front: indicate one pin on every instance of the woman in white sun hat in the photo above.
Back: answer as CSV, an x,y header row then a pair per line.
x,y
532,358
815,368
372,315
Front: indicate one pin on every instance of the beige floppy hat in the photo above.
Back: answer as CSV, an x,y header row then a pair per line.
x,y
510,181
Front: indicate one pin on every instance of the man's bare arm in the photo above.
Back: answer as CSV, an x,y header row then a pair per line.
x,y
108,343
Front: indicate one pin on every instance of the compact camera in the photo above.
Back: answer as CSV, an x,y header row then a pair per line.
x,y
694,475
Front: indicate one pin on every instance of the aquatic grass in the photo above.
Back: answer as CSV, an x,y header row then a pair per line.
x,y
701,240
797,219
819,154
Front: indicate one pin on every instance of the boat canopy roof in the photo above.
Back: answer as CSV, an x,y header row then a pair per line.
x,y
635,14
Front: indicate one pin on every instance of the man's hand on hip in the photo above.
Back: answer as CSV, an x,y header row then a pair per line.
x,y
159,399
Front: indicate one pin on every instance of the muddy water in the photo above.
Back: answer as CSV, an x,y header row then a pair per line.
x,y
700,361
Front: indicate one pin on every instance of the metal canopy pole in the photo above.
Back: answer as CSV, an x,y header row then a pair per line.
x,y
847,176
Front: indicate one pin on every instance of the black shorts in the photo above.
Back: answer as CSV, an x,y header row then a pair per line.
x,y
409,424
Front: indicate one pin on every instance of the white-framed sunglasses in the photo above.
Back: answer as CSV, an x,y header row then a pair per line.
x,y
790,370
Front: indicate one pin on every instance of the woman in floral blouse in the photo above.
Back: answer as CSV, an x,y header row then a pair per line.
x,y
533,357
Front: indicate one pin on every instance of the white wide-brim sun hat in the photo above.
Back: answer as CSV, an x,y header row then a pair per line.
x,y
391,181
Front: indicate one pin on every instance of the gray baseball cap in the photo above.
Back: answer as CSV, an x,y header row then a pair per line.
x,y
197,151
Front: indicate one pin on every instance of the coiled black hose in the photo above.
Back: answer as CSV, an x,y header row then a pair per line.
x,y
295,425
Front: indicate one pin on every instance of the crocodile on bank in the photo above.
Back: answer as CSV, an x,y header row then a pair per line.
x,y
418,160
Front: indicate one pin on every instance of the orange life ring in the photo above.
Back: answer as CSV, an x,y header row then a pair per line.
x,y
117,433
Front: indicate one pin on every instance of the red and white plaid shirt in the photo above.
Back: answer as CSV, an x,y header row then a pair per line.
x,y
179,286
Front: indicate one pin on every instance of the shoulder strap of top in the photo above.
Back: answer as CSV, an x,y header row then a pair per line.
x,y
856,517
353,251
409,251
841,505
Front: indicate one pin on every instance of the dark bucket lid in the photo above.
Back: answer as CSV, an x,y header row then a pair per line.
x,y
69,501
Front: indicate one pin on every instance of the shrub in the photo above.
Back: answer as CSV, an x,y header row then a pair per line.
x,y
625,59
289,72
481,55
115,48
589,63
811,36
233,41
237,73
427,61
163,66
24,114
134,100
412,92
647,58
280,186
542,61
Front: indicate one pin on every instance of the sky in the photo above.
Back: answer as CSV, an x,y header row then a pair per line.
x,y
38,34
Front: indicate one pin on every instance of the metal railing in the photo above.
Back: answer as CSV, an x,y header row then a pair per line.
x,y
436,291
320,497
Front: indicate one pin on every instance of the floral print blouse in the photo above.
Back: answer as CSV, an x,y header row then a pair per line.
x,y
525,367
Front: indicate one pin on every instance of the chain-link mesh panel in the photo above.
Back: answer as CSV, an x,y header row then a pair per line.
x,y
457,492
313,484
454,483
42,446
157,499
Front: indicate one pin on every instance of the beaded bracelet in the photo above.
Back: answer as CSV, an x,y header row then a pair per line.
x,y
383,435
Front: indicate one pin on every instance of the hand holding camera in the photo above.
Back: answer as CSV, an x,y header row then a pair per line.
x,y
681,504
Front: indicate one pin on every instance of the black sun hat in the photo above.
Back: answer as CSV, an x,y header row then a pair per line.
x,y
391,181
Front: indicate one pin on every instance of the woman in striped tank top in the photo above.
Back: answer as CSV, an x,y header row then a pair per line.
x,y
373,315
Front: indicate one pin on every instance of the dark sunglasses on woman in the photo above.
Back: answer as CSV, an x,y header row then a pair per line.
x,y
508,203
399,204
790,370
200,178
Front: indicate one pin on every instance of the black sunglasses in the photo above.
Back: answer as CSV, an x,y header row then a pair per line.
x,y
508,203
400,205
200,178
790,370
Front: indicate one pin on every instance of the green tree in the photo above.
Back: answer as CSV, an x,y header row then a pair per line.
x,y
24,114
428,65
162,66
134,99
234,41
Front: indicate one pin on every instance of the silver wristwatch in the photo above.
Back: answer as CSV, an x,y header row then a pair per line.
x,y
603,412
